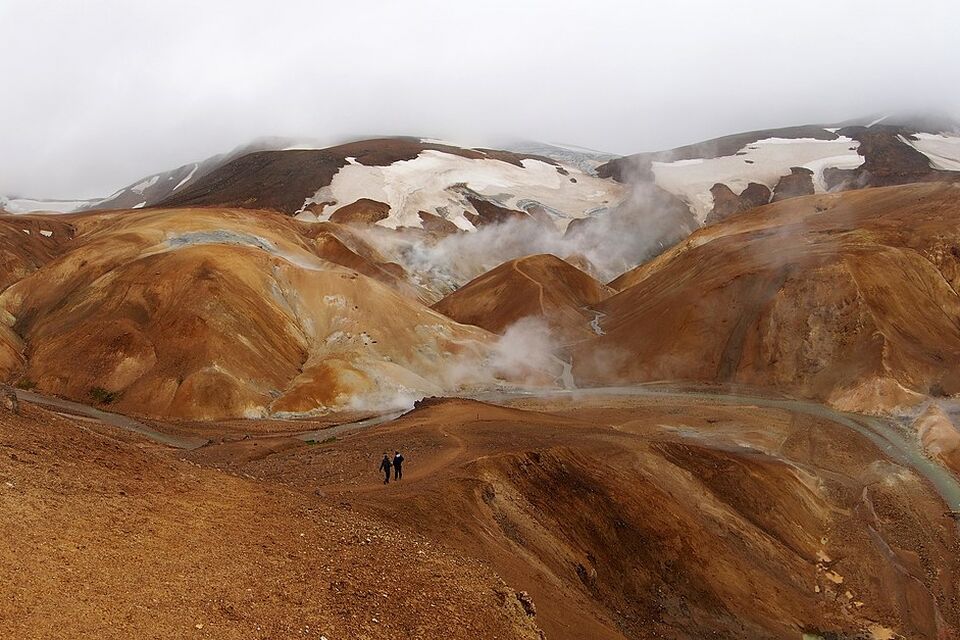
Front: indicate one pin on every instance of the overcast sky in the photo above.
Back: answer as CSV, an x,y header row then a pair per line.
x,y
96,94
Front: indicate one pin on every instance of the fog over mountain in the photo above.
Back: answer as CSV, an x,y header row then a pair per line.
x,y
98,94
656,303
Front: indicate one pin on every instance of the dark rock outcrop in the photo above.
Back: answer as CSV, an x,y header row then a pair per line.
x,y
726,203
798,183
364,212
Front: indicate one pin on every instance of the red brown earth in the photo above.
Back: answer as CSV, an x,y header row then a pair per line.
x,y
848,297
283,180
727,203
362,212
798,183
213,313
541,286
108,538
632,517
27,242
435,224
684,515
669,515
490,213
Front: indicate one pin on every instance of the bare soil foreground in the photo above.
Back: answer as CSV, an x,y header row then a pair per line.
x,y
107,539
622,516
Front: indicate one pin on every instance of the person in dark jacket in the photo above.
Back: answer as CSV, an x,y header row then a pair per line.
x,y
385,467
397,465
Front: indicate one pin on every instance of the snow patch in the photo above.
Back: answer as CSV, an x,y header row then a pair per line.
x,y
140,187
764,161
45,233
942,150
440,183
189,175
29,205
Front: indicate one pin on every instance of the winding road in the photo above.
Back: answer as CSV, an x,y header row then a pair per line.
x,y
113,419
886,434
892,439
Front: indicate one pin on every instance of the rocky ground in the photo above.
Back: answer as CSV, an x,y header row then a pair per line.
x,y
111,539
621,516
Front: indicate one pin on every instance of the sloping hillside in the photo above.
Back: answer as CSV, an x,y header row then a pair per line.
x,y
542,286
851,297
104,539
216,313
408,176
734,173
662,517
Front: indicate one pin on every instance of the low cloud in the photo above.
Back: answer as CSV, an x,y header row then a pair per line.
x,y
98,94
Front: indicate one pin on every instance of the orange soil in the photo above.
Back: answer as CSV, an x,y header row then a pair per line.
x,y
539,286
105,540
263,320
638,518
850,297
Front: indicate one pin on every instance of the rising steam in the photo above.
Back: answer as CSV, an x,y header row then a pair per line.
x,y
646,223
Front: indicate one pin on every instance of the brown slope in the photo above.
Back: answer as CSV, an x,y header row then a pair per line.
x,y
638,166
105,539
658,518
341,245
219,313
26,244
850,297
535,286
888,161
283,180
726,203
362,212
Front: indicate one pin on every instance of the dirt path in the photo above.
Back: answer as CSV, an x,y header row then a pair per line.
x,y
516,267
454,451
886,434
490,480
112,419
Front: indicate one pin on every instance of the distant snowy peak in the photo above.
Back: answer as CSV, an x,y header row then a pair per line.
x,y
36,205
420,182
149,190
456,188
586,160
155,188
145,192
722,176
405,182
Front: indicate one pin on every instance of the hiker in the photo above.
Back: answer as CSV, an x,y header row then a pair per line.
x,y
397,465
385,467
